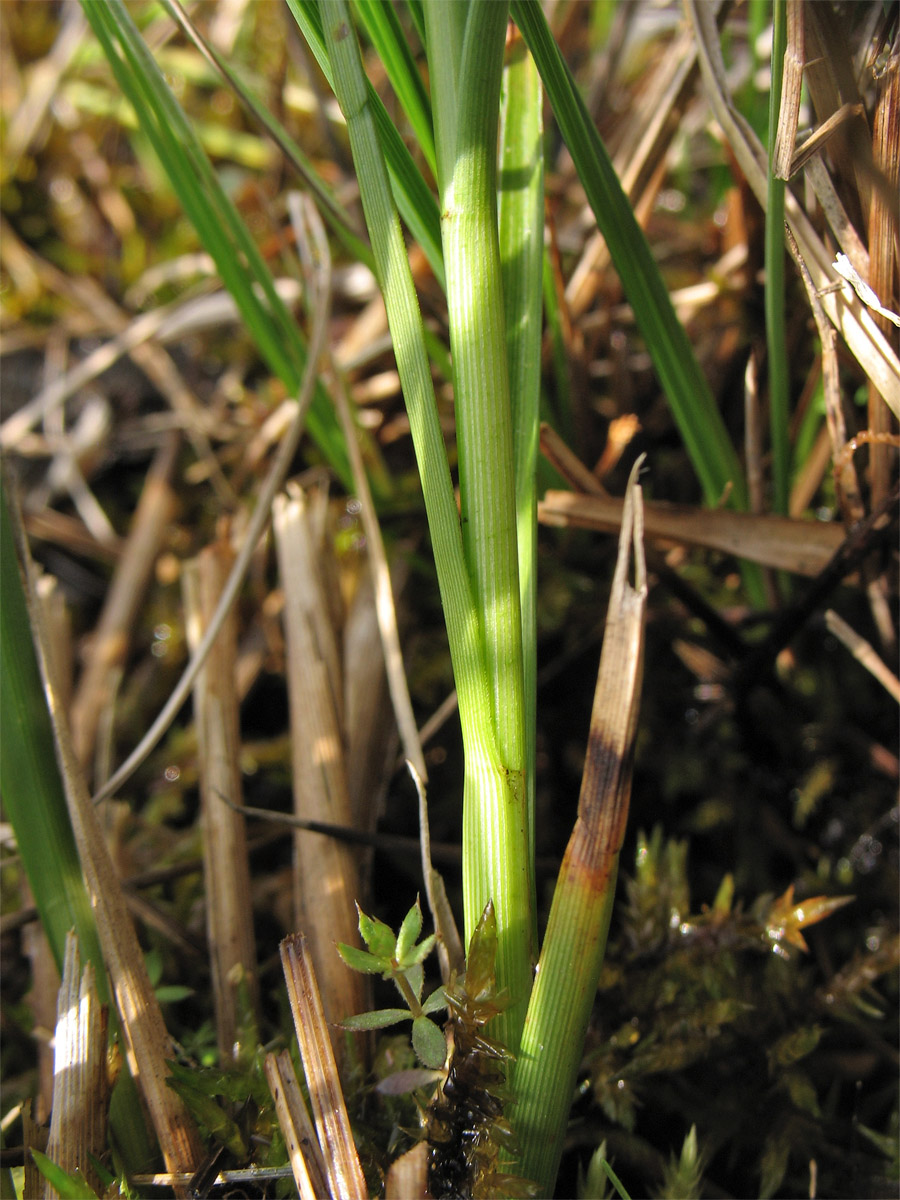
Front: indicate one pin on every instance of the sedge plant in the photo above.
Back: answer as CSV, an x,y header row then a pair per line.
x,y
479,128
484,554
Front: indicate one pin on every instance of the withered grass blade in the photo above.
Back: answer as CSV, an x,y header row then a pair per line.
x,y
145,1040
791,86
863,652
320,304
644,146
866,342
846,481
370,727
384,597
575,940
800,546
342,1166
229,909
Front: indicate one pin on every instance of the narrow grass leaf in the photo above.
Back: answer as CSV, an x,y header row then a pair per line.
x,y
30,782
332,210
383,27
412,195
693,407
213,215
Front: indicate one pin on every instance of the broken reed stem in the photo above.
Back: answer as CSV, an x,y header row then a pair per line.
x,y
80,1087
229,908
791,85
369,723
342,1166
846,481
307,1163
326,872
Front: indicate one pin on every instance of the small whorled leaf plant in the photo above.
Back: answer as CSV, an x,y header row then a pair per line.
x,y
399,959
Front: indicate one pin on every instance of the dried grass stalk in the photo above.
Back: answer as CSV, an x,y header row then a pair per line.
x,y
229,908
111,639
831,80
846,481
863,652
385,608
44,986
342,1166
80,1099
884,253
866,342
791,85
34,1137
326,874
644,147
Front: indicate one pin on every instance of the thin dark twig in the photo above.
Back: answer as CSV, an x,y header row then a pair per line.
x,y
866,536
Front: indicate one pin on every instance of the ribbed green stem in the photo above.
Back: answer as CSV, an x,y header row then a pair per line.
x,y
479,585
495,826
475,301
521,224
562,1000
481,380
